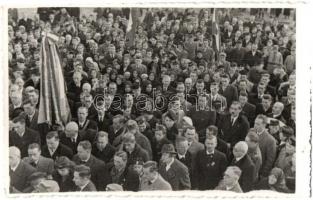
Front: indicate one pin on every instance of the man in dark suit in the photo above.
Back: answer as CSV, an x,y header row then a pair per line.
x,y
233,126
221,144
31,115
71,136
116,129
118,172
83,123
110,56
184,156
277,111
172,170
19,171
248,109
135,153
228,91
39,162
265,107
82,180
85,157
202,116
210,165
244,162
21,136
103,150
54,148
102,118
252,57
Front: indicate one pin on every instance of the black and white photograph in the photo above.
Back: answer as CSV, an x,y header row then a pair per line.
x,y
132,99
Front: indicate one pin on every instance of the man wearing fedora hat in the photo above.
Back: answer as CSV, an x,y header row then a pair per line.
x,y
172,170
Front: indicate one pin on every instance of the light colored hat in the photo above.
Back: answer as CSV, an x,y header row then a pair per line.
x,y
188,120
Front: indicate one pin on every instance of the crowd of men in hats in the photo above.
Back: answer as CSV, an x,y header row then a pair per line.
x,y
164,110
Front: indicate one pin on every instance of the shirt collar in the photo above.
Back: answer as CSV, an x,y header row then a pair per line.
x,y
154,179
14,168
32,115
260,133
17,106
170,164
237,159
86,160
181,156
82,187
209,153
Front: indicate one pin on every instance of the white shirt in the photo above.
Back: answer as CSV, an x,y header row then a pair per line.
x,y
52,152
31,116
168,166
237,159
234,119
260,133
181,156
208,153
14,168
86,159
74,138
21,134
81,124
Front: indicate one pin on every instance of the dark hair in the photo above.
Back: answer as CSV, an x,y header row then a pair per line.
x,y
212,129
19,119
85,145
83,171
34,146
52,134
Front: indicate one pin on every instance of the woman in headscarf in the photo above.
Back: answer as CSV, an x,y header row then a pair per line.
x,y
64,174
275,181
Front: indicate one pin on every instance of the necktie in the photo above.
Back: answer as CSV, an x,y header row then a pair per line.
x,y
33,164
232,121
73,140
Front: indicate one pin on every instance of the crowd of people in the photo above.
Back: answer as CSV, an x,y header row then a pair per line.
x,y
169,107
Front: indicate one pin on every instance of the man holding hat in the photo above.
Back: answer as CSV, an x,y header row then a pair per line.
x,y
172,170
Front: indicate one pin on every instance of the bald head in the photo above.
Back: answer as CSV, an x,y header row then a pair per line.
x,y
71,129
240,149
278,108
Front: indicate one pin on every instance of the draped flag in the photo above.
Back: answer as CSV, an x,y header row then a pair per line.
x,y
53,106
132,25
215,33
